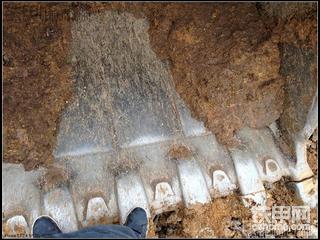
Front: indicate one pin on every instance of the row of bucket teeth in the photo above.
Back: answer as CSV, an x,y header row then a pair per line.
x,y
93,193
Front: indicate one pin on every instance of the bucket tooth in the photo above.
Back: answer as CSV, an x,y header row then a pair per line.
x,y
16,226
130,194
259,160
157,168
222,186
300,169
58,204
96,210
193,184
92,179
20,194
165,199
260,146
212,156
163,191
250,183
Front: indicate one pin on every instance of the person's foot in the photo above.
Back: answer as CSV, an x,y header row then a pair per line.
x,y
137,220
44,226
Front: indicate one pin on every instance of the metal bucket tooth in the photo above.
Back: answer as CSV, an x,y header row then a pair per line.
x,y
222,185
16,226
91,179
58,204
210,155
259,145
257,160
250,183
158,170
213,157
193,184
20,195
300,169
130,194
165,198
96,210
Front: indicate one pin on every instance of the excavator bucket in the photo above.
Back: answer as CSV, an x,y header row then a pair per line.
x,y
128,140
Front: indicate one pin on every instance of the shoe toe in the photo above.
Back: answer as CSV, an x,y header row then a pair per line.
x,y
45,226
138,221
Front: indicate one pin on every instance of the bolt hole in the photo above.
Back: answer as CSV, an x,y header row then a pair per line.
x,y
272,166
220,177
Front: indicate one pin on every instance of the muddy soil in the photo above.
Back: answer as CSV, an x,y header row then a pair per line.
x,y
224,64
37,80
224,58
279,194
217,219
55,176
225,217
297,39
312,154
179,152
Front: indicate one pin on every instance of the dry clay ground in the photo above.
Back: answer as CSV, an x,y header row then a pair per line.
x,y
225,62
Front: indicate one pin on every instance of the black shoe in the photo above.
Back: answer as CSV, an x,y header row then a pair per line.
x,y
137,220
44,226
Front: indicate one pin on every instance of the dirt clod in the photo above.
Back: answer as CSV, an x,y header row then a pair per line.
x,y
224,64
168,224
179,152
124,164
279,194
55,176
220,218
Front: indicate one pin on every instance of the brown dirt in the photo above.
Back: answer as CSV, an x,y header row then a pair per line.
x,y
55,176
280,195
37,80
179,152
167,224
217,219
224,217
298,49
18,231
124,163
288,10
224,60
312,156
224,63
